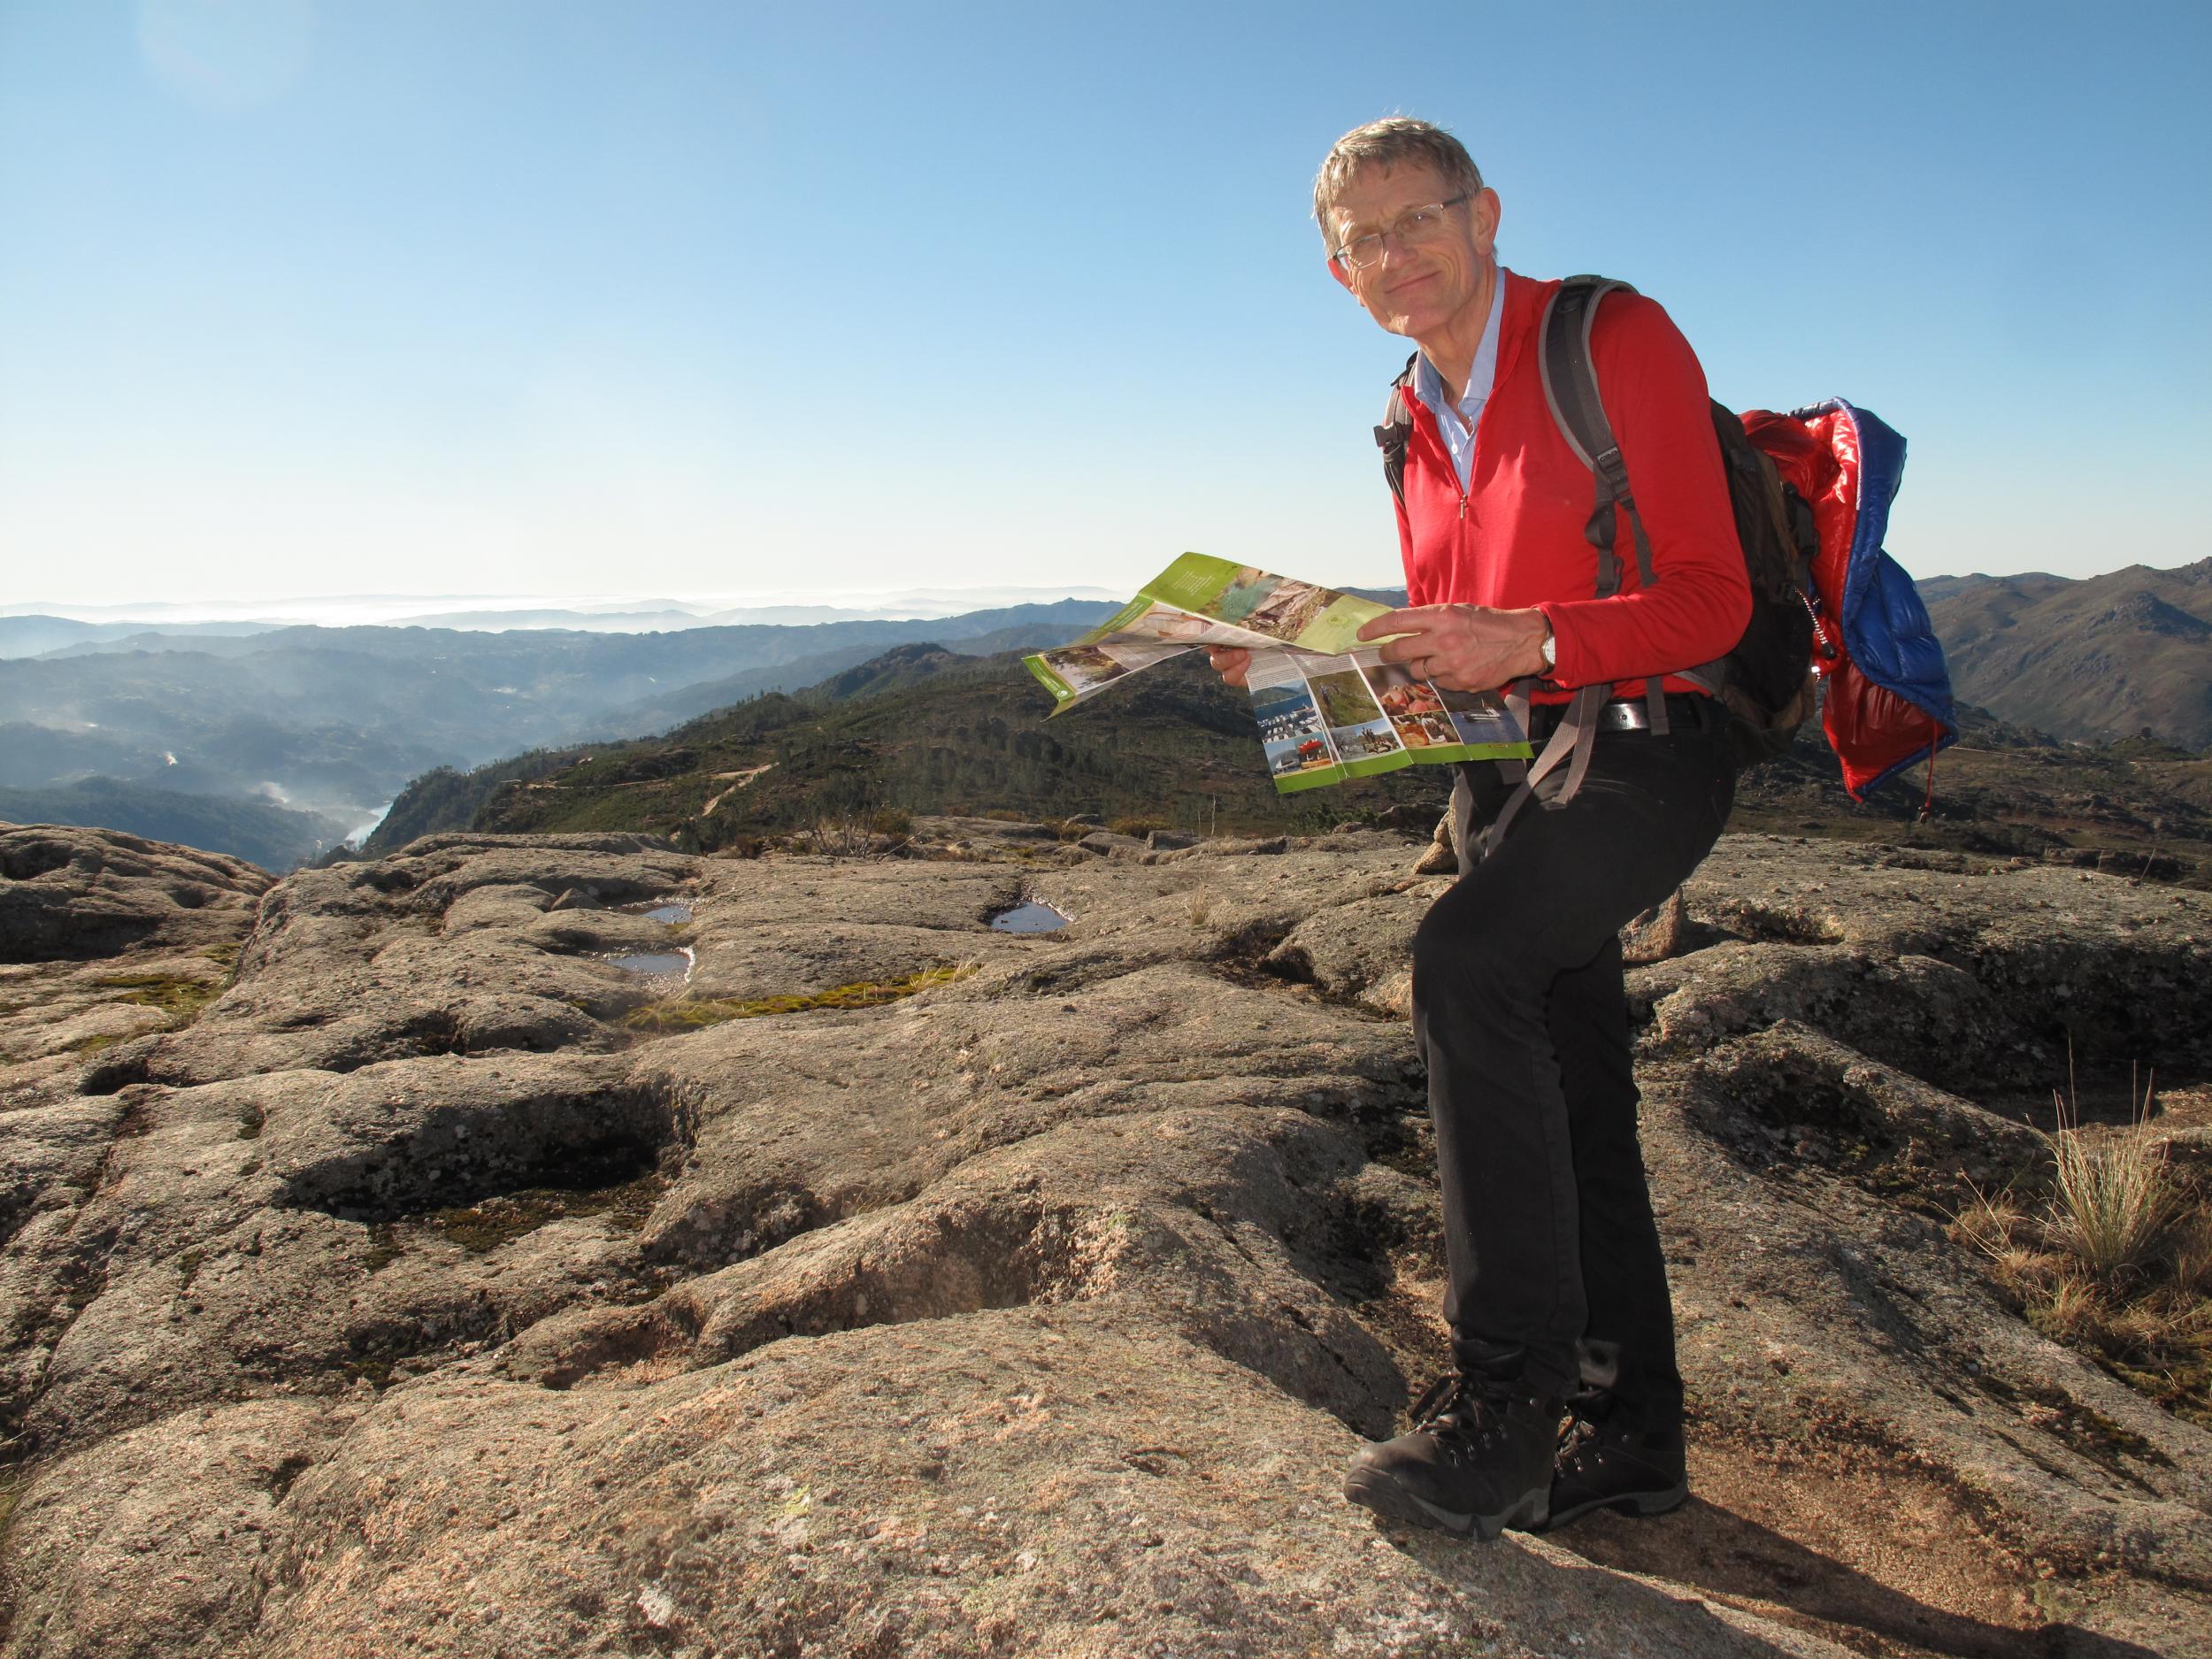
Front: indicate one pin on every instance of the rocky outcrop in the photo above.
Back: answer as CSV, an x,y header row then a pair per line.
x,y
105,938
843,1276
73,893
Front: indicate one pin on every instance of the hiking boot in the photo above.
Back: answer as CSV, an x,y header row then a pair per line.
x,y
1478,1459
1603,1463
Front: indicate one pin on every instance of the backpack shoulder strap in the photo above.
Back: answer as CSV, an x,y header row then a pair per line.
x,y
1570,391
1396,432
1570,379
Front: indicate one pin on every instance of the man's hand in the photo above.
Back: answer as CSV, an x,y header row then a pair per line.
x,y
1233,662
1464,648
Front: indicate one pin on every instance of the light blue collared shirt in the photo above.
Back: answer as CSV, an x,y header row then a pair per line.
x,y
1458,429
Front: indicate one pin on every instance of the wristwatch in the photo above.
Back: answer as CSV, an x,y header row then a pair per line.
x,y
1550,648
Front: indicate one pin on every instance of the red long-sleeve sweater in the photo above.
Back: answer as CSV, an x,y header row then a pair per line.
x,y
1513,539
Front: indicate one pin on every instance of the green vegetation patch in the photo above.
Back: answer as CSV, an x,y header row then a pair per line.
x,y
181,999
483,1228
689,1013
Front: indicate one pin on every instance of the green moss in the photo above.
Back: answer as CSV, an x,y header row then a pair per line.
x,y
689,1013
483,1228
188,1266
93,1044
224,956
181,999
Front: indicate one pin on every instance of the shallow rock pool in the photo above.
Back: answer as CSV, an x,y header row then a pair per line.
x,y
1032,917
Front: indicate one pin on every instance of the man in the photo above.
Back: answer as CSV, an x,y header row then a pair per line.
x,y
1557,1288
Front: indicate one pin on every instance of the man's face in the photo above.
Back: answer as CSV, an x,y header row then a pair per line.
x,y
1426,289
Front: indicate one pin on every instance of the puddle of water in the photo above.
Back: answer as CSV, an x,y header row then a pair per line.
x,y
675,912
1032,918
657,964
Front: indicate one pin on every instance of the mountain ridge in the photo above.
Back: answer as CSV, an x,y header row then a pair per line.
x,y
2091,658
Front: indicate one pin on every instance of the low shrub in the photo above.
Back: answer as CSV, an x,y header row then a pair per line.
x,y
857,834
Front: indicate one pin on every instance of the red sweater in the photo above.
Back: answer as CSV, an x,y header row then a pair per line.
x,y
1515,538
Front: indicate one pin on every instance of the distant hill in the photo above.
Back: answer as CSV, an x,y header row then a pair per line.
x,y
929,730
256,831
337,720
1053,625
33,635
920,728
2094,659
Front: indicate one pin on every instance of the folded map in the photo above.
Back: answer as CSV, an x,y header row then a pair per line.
x,y
1329,708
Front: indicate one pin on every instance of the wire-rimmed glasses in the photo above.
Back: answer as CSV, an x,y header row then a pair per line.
x,y
1414,224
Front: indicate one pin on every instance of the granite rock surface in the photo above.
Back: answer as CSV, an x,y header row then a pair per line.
x,y
565,1245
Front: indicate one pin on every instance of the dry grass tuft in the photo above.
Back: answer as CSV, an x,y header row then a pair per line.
x,y
2109,1252
2192,1256
874,832
2072,1312
1989,1223
2114,1199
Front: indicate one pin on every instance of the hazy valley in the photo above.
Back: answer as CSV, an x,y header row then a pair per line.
x,y
2087,708
294,737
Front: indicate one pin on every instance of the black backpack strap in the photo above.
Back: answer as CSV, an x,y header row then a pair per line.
x,y
1570,391
1570,379
1396,432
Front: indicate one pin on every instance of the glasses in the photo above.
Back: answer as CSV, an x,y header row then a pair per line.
x,y
1416,224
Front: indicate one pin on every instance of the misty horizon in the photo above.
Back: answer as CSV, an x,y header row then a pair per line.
x,y
476,612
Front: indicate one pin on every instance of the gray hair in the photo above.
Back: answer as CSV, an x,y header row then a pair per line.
x,y
1390,143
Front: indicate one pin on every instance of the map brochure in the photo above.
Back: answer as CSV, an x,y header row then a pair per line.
x,y
1329,708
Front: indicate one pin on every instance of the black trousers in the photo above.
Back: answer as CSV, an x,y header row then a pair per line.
x,y
1519,1013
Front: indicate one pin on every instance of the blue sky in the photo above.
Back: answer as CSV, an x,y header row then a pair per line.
x,y
660,297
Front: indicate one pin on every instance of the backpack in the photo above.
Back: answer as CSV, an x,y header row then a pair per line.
x,y
1810,493
1768,682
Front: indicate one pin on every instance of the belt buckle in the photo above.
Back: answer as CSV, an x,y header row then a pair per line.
x,y
1623,717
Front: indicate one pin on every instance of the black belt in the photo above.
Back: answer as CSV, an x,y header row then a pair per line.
x,y
1623,714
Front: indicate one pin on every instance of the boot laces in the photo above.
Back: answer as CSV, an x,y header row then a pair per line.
x,y
1586,1411
1456,1407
